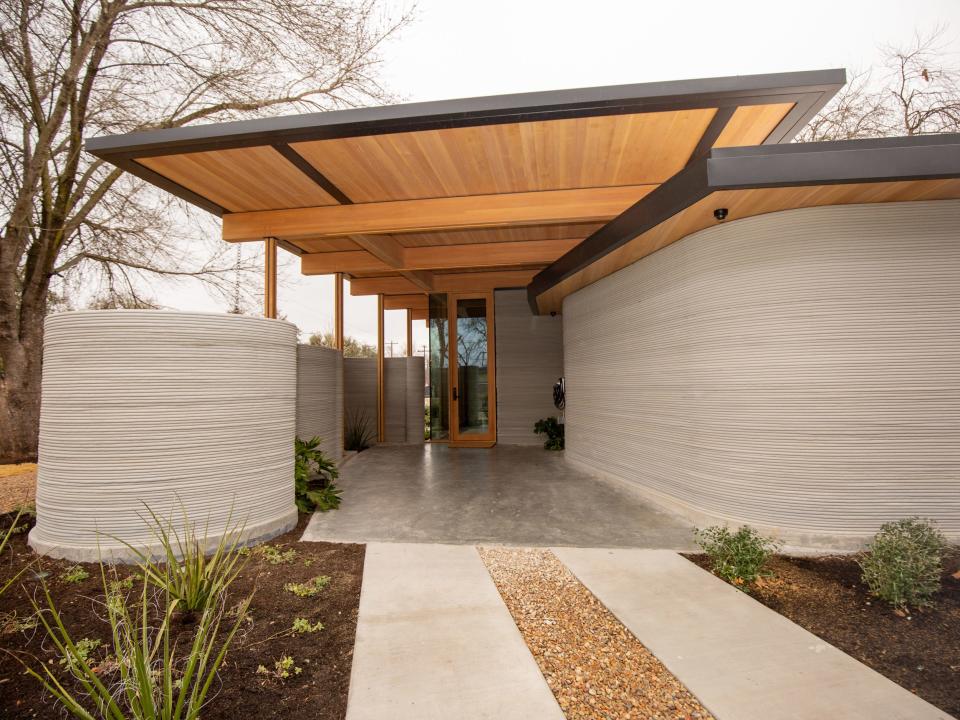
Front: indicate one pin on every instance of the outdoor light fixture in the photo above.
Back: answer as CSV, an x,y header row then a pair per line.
x,y
720,214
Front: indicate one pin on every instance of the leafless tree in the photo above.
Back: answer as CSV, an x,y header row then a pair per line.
x,y
72,68
916,92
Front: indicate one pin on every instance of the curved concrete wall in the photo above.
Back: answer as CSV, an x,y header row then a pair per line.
x,y
169,410
798,371
320,397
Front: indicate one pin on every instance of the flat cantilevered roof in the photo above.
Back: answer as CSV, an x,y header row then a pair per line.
x,y
461,195
749,181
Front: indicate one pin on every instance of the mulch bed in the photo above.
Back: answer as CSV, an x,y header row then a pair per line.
x,y
596,668
919,651
18,484
319,692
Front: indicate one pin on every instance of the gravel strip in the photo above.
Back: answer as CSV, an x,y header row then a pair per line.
x,y
18,485
596,668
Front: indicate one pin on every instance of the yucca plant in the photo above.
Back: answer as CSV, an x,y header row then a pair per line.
x,y
155,682
191,576
357,434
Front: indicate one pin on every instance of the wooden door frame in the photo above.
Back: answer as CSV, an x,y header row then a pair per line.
x,y
490,438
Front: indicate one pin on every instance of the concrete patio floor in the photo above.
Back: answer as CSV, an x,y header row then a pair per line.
x,y
507,495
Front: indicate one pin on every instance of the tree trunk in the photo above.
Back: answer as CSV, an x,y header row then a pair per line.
x,y
20,398
21,356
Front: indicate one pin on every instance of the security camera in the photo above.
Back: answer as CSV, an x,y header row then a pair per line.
x,y
720,214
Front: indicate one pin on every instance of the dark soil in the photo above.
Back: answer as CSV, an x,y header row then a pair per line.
x,y
319,692
919,651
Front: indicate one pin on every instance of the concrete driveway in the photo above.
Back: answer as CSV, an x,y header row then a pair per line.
x,y
507,495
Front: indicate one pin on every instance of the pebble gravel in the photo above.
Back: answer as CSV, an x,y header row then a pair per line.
x,y
595,667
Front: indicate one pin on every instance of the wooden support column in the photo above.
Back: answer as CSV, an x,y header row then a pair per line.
x,y
409,332
338,311
381,426
270,277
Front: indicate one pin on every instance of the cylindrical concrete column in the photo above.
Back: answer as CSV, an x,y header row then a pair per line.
x,y
181,413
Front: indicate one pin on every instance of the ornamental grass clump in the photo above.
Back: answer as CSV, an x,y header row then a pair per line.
x,y
152,671
738,557
904,562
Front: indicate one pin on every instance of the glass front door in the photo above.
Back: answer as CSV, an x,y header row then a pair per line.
x,y
472,372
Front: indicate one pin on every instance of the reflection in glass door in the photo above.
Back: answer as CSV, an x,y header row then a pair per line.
x,y
472,372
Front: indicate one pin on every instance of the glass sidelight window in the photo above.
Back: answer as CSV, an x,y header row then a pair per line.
x,y
438,323
472,389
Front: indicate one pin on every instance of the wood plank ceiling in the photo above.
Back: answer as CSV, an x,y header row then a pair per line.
x,y
464,200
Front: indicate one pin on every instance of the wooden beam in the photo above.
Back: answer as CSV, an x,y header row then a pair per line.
x,y
390,252
417,314
381,426
409,333
446,282
270,277
440,257
404,302
525,208
338,311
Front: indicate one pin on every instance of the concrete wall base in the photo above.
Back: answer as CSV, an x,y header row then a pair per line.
x,y
251,535
796,541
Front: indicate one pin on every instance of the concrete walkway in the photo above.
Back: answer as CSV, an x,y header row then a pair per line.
x,y
435,641
505,495
742,660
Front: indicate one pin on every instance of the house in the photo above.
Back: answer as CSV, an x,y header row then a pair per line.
x,y
750,329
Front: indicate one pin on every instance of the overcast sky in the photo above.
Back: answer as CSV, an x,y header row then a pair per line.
x,y
457,48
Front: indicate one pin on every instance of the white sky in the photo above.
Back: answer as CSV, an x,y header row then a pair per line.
x,y
461,48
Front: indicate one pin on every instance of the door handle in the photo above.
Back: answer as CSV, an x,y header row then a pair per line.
x,y
454,394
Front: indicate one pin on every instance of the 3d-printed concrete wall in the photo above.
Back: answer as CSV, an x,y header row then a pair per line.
x,y
798,371
529,362
403,398
167,410
320,397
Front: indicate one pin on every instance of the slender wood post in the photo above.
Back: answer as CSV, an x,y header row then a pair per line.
x,y
381,426
409,332
270,277
338,311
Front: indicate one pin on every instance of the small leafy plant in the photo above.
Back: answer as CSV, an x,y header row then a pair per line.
x,y
553,429
302,626
309,588
314,477
904,561
738,557
357,434
282,668
84,647
74,574
272,554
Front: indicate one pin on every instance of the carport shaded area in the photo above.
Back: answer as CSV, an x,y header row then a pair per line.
x,y
507,495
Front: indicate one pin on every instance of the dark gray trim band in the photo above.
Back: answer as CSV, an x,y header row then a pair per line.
x,y
522,107
763,166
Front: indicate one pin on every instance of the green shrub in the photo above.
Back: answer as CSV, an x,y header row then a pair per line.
x,y
314,475
357,434
904,561
737,557
553,429
189,576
